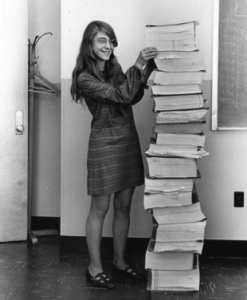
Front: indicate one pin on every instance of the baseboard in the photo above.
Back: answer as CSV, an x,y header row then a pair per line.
x,y
138,246
43,223
225,248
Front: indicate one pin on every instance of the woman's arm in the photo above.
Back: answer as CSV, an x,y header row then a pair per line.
x,y
148,69
146,72
139,95
93,88
146,57
125,93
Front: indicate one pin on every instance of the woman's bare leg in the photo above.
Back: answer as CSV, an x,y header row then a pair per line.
x,y
94,225
121,222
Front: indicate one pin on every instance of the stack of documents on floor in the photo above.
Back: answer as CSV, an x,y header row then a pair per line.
x,y
172,257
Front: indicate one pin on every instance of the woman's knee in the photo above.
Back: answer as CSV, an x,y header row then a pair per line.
x,y
122,201
122,205
100,205
123,209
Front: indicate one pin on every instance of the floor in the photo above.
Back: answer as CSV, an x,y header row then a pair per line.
x,y
42,272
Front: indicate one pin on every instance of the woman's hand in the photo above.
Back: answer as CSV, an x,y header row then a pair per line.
x,y
145,55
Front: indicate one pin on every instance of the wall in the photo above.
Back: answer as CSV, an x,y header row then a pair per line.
x,y
44,16
223,172
13,99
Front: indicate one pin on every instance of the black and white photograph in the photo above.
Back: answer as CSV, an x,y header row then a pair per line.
x,y
123,144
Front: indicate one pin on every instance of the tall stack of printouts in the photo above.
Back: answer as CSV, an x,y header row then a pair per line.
x,y
172,257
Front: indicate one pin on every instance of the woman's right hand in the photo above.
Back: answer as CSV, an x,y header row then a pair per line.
x,y
145,55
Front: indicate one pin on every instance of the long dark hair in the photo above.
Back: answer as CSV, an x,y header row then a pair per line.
x,y
86,59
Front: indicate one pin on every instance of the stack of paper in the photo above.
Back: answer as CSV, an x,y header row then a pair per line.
x,y
172,257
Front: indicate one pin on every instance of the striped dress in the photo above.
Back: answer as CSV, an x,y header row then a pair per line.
x,y
114,154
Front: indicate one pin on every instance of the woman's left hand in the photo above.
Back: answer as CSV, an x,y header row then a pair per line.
x,y
145,55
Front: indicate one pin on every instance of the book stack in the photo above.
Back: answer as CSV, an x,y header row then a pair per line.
x,y
172,257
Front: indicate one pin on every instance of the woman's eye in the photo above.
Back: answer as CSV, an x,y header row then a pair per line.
x,y
102,41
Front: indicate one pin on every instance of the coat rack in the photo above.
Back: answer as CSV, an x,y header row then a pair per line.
x,y
36,84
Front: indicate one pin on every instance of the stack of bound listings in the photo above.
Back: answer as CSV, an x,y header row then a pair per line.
x,y
172,257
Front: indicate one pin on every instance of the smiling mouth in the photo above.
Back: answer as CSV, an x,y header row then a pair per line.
x,y
106,52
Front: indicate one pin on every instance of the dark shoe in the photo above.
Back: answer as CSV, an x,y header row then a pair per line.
x,y
100,280
130,273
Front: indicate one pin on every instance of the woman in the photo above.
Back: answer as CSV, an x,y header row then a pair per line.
x,y
114,156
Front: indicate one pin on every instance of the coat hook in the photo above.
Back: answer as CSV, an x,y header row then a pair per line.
x,y
35,42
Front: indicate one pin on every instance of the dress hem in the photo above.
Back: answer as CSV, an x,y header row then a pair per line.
x,y
115,191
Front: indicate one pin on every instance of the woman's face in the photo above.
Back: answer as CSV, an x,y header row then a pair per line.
x,y
102,46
